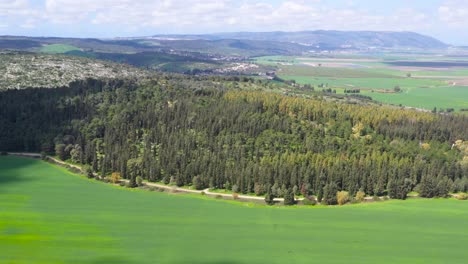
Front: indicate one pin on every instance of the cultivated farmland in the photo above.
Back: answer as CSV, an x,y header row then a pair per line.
x,y
425,81
58,48
48,215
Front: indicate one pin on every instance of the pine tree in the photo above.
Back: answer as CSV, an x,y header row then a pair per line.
x,y
289,197
329,194
269,197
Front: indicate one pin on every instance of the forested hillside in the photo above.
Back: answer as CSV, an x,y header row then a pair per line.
x,y
208,133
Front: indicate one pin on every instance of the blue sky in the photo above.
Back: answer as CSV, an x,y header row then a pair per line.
x,y
444,19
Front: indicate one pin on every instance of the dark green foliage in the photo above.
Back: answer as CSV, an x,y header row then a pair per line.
x,y
443,186
289,197
460,185
88,171
309,201
134,167
428,187
139,181
329,194
269,198
436,187
60,151
399,188
202,132
198,183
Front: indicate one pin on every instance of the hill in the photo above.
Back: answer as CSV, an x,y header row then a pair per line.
x,y
329,39
241,44
23,70
209,132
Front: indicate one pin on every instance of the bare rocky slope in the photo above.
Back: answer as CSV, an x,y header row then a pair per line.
x,y
20,70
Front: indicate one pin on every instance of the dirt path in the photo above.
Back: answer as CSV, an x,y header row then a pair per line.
x,y
150,184
167,187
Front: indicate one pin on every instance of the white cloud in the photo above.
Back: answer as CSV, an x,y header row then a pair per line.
x,y
198,16
209,15
15,7
454,13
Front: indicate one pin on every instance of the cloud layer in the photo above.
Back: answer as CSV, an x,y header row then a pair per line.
x,y
133,17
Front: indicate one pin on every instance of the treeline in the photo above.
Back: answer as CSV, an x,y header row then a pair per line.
x,y
206,133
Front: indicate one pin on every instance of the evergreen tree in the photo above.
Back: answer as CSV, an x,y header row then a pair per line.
x,y
289,197
269,197
329,194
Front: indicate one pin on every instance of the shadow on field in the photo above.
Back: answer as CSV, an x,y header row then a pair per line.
x,y
12,168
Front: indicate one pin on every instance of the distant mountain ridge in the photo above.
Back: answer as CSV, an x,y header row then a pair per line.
x,y
331,39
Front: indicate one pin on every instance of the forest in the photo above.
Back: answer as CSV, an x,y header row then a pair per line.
x,y
206,132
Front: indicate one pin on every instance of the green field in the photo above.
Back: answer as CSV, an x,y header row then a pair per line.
x,y
420,93
427,88
58,48
448,97
48,215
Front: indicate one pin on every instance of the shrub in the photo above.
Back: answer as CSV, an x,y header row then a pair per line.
x,y
3,153
60,151
360,195
342,197
115,177
197,183
76,153
227,186
309,201
462,196
43,155
219,196
329,194
139,181
259,189
203,193
88,171
122,184
269,198
289,197
166,179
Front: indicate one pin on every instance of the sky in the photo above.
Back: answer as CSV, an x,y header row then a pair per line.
x,y
446,20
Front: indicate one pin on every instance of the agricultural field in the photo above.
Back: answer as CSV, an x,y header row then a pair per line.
x,y
48,215
58,48
425,81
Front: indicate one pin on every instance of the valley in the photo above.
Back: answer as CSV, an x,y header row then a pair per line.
x,y
427,82
231,132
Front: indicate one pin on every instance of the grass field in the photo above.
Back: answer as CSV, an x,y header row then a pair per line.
x,y
427,98
48,215
58,48
427,88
